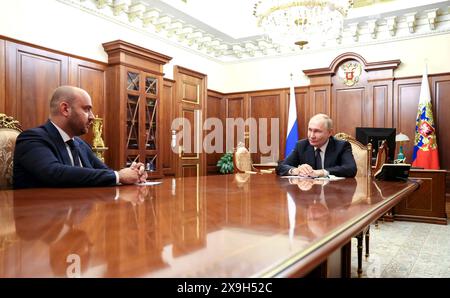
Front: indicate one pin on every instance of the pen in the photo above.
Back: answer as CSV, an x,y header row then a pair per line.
x,y
136,158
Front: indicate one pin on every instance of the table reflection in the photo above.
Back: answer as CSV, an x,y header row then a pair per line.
x,y
214,226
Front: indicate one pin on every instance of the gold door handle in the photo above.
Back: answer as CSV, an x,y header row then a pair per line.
x,y
173,139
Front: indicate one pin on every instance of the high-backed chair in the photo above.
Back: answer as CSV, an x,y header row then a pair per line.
x,y
361,153
363,157
242,161
9,130
382,156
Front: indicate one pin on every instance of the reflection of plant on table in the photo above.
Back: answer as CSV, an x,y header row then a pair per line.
x,y
225,163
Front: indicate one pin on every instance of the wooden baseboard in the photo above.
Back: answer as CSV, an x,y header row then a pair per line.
x,y
388,218
424,219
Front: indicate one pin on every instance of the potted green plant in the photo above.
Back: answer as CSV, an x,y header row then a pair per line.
x,y
225,163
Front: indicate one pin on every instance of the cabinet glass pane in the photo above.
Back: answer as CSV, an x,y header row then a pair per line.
x,y
132,81
150,123
132,122
130,159
150,163
150,85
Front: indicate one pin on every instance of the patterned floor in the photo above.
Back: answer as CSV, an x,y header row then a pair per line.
x,y
406,249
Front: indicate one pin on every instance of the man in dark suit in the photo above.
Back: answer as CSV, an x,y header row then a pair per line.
x,y
53,156
320,155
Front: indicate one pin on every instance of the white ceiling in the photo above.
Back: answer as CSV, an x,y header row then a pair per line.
x,y
231,17
235,19
226,30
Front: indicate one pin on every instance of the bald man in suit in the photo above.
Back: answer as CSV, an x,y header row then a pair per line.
x,y
53,155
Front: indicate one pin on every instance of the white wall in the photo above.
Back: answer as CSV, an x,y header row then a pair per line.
x,y
275,72
58,26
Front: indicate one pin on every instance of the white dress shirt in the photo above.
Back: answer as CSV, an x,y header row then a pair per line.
x,y
65,138
323,149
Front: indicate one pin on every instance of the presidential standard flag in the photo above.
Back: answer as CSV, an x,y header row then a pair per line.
x,y
292,130
425,154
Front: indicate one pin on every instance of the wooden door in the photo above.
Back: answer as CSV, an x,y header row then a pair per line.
x,y
168,110
190,97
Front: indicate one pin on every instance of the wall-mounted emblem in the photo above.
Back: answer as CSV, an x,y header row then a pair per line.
x,y
350,72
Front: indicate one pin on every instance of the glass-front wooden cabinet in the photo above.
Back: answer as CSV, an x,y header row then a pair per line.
x,y
135,82
142,119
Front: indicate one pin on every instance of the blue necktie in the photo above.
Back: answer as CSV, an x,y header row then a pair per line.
x,y
75,153
318,160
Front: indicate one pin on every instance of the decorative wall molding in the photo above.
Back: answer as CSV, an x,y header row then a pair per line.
x,y
427,20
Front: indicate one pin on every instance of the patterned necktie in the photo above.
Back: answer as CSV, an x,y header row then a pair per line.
x,y
75,153
318,159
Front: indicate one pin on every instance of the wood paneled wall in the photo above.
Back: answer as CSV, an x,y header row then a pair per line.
x,y
2,74
29,74
257,105
406,100
367,102
91,77
215,108
303,106
320,98
236,106
263,105
377,100
440,90
380,100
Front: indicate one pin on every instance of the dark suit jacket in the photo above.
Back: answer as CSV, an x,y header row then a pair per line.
x,y
41,160
339,159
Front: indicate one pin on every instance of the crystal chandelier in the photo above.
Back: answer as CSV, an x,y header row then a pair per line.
x,y
289,22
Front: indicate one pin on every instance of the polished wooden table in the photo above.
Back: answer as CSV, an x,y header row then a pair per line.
x,y
213,226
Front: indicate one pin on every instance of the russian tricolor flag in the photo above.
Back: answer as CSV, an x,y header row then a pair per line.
x,y
292,128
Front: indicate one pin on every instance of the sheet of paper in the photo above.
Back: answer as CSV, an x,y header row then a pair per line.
x,y
329,178
147,183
